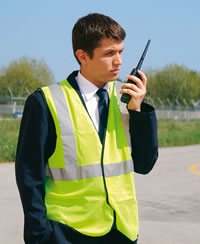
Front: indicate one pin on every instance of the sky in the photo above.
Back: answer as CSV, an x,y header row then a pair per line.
x,y
41,29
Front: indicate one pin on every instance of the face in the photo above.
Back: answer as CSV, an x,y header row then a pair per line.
x,y
105,64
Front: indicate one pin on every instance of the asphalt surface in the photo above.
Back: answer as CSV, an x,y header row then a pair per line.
x,y
168,197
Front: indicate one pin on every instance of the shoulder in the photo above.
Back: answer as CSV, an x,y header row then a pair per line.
x,y
36,104
36,97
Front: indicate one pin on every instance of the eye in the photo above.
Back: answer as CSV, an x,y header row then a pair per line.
x,y
109,53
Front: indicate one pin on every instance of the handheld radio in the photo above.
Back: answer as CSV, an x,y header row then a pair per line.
x,y
125,98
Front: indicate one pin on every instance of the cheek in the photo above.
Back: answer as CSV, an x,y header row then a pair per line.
x,y
106,63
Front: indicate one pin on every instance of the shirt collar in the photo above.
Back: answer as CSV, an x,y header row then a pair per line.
x,y
88,89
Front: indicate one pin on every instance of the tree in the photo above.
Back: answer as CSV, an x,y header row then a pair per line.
x,y
25,73
174,82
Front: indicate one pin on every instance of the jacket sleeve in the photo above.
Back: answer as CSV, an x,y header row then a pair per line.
x,y
144,141
32,153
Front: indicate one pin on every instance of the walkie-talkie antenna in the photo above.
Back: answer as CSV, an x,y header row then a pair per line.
x,y
143,55
125,98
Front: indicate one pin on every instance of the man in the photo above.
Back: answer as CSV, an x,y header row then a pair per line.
x,y
74,169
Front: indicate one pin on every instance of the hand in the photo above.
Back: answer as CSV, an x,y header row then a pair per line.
x,y
136,91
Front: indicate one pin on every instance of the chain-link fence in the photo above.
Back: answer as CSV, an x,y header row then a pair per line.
x,y
168,109
177,110
13,108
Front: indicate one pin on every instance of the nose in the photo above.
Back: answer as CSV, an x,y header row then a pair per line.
x,y
118,59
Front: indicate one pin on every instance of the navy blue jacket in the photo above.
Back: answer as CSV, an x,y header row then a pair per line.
x,y
36,143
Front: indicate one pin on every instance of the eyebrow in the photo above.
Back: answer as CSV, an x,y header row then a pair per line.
x,y
114,49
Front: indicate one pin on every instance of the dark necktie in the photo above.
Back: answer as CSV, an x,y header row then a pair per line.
x,y
103,111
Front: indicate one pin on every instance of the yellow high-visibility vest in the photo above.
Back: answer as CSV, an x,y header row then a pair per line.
x,y
86,181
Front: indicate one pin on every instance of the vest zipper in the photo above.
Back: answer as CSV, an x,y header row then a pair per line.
x,y
102,168
104,180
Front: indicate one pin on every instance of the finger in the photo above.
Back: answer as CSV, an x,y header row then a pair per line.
x,y
131,86
143,78
135,79
130,92
137,93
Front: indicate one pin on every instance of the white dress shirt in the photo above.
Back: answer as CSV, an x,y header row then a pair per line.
x,y
88,91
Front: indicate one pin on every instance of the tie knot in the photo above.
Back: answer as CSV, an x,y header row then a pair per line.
x,y
102,93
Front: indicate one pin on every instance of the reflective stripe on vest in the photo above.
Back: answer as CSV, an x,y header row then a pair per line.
x,y
72,171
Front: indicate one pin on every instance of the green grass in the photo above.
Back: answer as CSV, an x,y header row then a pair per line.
x,y
9,130
178,133
170,133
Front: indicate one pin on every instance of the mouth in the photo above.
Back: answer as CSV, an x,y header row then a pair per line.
x,y
115,71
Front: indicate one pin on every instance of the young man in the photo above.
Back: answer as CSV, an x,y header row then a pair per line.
x,y
74,168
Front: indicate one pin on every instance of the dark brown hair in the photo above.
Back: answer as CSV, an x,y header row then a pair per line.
x,y
89,30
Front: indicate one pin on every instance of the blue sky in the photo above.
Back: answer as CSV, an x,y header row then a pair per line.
x,y
41,29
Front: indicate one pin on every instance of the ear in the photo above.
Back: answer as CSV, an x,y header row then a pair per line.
x,y
81,55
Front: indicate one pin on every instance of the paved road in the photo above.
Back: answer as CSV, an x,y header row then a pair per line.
x,y
168,197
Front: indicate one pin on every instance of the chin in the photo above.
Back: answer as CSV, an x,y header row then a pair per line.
x,y
114,78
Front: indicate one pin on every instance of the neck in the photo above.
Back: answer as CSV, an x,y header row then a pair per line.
x,y
99,84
